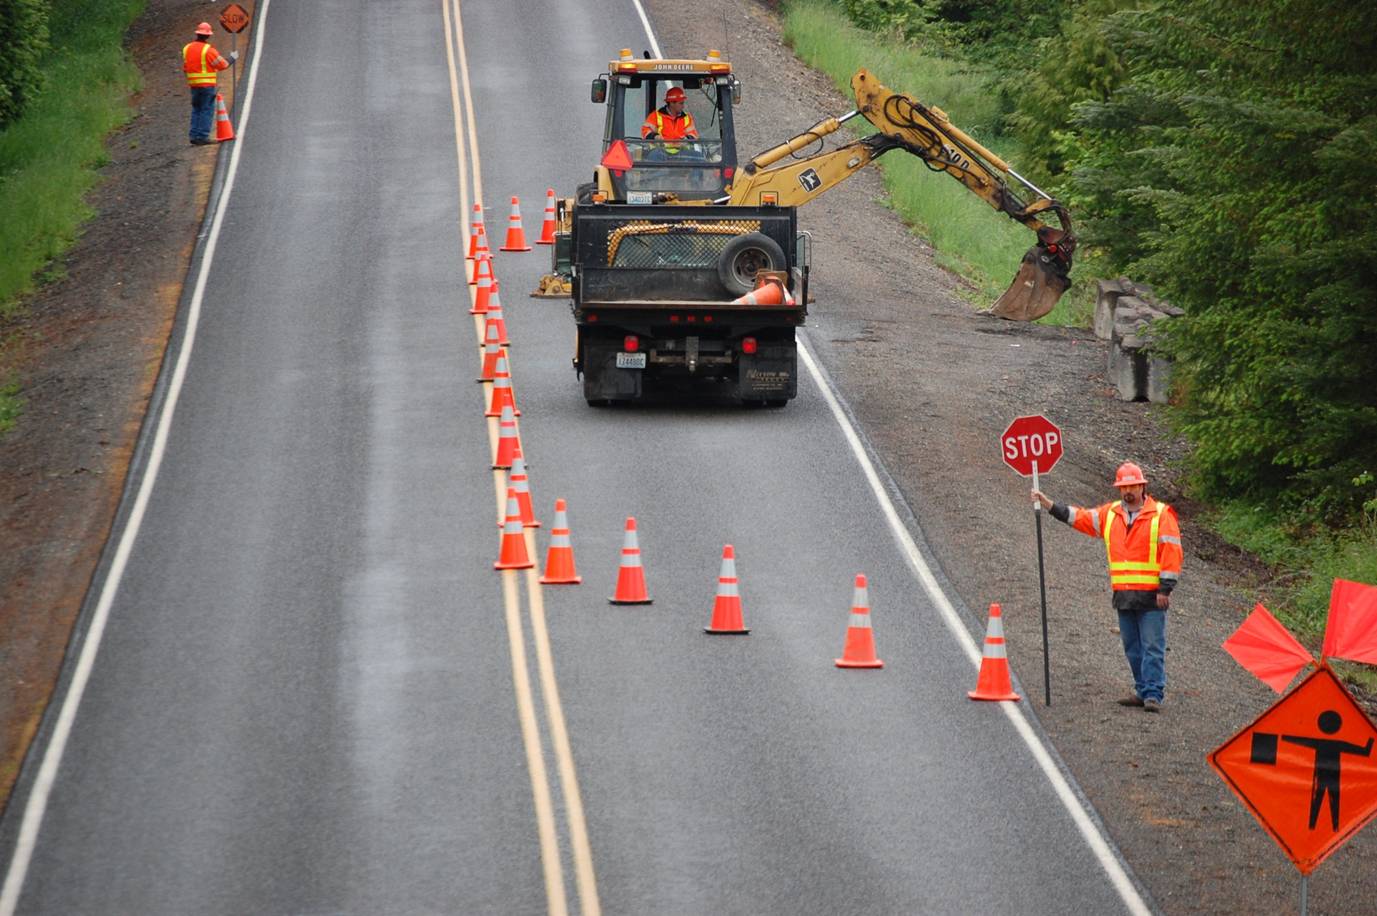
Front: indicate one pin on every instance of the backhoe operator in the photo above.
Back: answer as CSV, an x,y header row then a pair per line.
x,y
669,122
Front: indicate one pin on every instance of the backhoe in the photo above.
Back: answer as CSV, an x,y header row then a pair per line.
x,y
661,251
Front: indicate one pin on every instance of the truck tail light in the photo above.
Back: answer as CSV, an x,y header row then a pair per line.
x,y
631,344
748,345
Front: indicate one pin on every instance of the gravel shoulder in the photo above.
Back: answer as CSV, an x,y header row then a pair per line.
x,y
931,383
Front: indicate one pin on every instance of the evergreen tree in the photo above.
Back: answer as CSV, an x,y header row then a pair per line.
x,y
1233,170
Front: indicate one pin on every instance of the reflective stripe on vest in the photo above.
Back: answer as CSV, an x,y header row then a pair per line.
x,y
660,129
1125,573
205,76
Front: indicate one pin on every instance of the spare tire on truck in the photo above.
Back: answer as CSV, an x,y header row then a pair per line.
x,y
743,256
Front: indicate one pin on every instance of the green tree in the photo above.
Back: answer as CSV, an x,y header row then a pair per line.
x,y
23,42
1233,169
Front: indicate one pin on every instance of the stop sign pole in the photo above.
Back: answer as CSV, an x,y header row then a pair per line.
x,y
1031,444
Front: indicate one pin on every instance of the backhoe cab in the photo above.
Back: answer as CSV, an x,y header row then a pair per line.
x,y
635,170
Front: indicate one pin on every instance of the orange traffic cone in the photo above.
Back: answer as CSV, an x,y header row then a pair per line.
x,y
521,483
224,130
547,225
491,351
559,560
630,575
484,296
494,303
475,230
726,610
994,682
860,639
502,395
768,292
482,263
513,554
508,441
494,317
516,236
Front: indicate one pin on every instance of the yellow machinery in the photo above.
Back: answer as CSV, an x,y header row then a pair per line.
x,y
640,171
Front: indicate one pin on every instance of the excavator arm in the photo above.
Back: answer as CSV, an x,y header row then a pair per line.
x,y
779,176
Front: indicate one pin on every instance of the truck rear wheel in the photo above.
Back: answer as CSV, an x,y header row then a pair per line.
x,y
743,256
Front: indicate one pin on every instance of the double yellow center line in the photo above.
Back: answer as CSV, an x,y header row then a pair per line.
x,y
541,786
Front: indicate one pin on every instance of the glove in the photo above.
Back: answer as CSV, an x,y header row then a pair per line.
x,y
234,55
651,136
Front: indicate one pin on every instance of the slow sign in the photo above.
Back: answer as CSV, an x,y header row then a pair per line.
x,y
234,19
1031,441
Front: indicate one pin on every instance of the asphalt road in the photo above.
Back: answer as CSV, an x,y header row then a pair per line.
x,y
307,698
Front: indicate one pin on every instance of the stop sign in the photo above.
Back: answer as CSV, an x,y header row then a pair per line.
x,y
1030,440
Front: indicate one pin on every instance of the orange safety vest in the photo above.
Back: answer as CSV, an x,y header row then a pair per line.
x,y
1141,556
200,62
670,128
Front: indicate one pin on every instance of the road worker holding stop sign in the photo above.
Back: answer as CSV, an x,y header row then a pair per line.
x,y
1143,543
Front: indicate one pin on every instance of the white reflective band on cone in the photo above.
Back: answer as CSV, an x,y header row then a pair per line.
x,y
860,621
995,650
996,628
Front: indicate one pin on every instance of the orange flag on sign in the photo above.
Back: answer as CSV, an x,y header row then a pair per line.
x,y
1263,646
1352,629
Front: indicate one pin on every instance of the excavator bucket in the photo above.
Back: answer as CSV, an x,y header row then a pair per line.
x,y
1035,290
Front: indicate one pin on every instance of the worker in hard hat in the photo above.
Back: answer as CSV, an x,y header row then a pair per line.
x,y
201,63
669,122
1143,542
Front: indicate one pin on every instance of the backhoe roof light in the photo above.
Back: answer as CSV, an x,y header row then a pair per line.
x,y
714,54
626,54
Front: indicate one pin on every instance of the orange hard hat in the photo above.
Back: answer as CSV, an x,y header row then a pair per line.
x,y
1129,475
675,94
204,29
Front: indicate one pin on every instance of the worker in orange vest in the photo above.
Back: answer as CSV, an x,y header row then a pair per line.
x,y
1143,541
200,63
669,122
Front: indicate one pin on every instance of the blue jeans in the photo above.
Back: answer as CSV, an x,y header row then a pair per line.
x,y
1145,646
202,111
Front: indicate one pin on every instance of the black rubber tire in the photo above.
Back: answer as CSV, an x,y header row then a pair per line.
x,y
776,403
743,256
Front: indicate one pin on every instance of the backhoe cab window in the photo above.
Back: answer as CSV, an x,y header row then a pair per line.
x,y
681,165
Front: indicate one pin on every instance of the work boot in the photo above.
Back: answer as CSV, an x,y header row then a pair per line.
x,y
1130,701
202,141
1152,706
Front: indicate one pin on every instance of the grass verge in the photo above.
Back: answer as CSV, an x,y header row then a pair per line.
x,y
1306,568
49,157
970,238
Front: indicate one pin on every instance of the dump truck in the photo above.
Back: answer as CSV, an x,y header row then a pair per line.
x,y
687,271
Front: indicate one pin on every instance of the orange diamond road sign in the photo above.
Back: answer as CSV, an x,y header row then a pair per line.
x,y
234,18
1306,768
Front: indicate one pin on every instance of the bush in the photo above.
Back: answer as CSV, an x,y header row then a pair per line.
x,y
23,42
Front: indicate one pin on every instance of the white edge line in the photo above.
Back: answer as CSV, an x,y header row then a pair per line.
x,y
1092,835
52,758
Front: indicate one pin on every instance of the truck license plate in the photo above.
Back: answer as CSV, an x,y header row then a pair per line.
x,y
630,360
